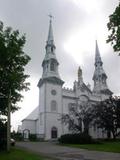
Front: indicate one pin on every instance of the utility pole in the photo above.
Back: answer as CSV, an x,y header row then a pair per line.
x,y
8,122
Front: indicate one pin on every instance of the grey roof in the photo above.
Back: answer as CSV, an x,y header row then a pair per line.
x,y
107,91
53,80
33,115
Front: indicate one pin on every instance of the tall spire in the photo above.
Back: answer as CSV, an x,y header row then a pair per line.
x,y
50,63
50,46
50,39
97,55
99,77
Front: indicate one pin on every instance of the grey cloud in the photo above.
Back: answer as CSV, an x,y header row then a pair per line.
x,y
30,17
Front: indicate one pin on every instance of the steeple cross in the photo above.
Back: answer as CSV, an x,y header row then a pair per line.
x,y
50,16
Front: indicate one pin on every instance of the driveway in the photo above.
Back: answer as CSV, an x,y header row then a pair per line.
x,y
51,149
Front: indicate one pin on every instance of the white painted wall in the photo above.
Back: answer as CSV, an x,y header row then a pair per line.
x,y
52,120
48,119
42,98
66,102
41,123
50,97
30,125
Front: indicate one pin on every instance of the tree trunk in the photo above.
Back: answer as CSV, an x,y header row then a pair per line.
x,y
114,135
108,134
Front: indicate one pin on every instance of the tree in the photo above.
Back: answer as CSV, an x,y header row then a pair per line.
x,y
107,115
114,28
12,66
3,130
79,118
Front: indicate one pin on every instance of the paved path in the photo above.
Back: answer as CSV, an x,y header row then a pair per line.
x,y
67,153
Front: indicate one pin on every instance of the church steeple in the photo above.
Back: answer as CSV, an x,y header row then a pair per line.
x,y
80,78
97,55
50,46
50,39
50,63
99,77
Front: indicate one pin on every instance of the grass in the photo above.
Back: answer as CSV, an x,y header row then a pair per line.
x,y
19,154
104,146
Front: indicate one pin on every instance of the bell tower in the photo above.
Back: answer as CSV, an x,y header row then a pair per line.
x,y
50,91
50,63
100,77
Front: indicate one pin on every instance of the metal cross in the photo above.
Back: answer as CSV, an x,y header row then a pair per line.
x,y
50,16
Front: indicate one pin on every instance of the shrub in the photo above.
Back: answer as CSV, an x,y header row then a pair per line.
x,y
81,138
17,136
3,144
32,137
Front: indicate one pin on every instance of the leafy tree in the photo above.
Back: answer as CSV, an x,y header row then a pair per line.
x,y
79,118
107,115
114,28
12,66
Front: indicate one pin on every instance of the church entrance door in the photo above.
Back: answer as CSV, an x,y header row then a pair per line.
x,y
26,133
54,132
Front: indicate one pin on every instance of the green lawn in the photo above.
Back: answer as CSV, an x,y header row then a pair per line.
x,y
19,154
104,146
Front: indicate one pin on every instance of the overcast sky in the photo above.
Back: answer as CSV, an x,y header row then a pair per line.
x,y
76,26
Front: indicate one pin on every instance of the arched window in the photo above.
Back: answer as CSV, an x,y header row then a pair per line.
x,y
52,49
53,132
52,66
53,106
70,107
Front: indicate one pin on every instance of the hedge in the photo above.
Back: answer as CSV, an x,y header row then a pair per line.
x,y
81,138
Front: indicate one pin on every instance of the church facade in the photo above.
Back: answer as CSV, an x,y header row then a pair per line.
x,y
54,100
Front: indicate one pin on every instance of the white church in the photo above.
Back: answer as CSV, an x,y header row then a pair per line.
x,y
54,100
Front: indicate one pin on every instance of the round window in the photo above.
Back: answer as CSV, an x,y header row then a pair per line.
x,y
53,92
